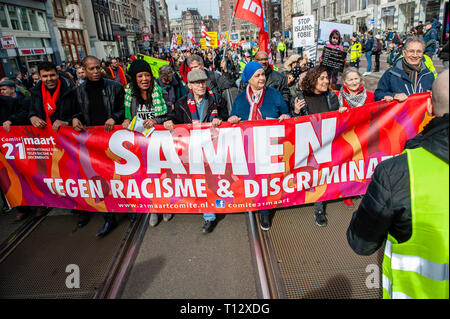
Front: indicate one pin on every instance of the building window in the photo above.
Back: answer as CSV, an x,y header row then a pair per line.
x,y
105,28
3,19
73,44
24,19
99,25
13,17
108,25
58,8
41,22
33,20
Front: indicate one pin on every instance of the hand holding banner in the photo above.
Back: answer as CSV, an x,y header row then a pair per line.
x,y
197,168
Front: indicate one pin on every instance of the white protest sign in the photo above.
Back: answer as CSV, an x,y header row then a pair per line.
x,y
303,31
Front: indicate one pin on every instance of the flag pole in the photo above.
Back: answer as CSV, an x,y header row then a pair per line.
x,y
229,33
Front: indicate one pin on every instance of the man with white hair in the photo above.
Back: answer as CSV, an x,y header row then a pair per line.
x,y
407,202
407,76
200,105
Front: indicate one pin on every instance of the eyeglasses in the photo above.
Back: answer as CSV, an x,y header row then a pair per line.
x,y
262,60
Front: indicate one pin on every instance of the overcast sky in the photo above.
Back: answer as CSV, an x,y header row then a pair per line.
x,y
205,7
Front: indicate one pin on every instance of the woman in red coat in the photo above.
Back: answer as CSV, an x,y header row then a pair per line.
x,y
353,92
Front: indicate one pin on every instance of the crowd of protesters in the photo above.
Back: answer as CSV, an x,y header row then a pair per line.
x,y
213,86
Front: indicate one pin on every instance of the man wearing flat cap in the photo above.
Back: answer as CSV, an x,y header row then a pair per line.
x,y
200,106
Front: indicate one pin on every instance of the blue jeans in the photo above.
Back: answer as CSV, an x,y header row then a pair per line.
x,y
209,216
369,61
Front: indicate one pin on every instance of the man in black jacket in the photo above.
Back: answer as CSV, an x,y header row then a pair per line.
x,y
19,114
199,106
100,104
386,206
53,101
274,79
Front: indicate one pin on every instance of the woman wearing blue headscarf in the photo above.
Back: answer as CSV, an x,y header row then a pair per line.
x,y
258,102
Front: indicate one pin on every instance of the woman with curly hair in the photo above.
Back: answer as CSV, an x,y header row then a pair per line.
x,y
316,97
144,99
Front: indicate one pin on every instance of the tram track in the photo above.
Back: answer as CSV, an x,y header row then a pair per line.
x,y
16,237
117,275
121,258
270,279
33,264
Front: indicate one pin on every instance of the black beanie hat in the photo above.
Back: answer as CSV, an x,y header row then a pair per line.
x,y
139,66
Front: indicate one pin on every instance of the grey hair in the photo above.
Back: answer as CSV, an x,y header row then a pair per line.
x,y
349,70
165,71
413,39
194,57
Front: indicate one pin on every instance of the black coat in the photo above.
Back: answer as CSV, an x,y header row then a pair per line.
x,y
8,107
386,207
332,103
22,111
443,55
66,105
113,98
182,115
218,84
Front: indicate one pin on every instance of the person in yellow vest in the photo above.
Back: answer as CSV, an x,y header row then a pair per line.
x,y
255,50
407,204
355,51
282,49
243,62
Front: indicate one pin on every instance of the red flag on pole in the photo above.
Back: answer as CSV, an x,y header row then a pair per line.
x,y
251,11
264,43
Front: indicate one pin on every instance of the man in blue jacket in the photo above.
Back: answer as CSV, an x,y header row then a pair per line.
x,y
409,74
430,38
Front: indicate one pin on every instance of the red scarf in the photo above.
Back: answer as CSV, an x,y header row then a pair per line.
x,y
255,112
122,77
196,117
49,101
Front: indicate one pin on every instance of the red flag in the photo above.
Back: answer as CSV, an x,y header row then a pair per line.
x,y
251,11
264,43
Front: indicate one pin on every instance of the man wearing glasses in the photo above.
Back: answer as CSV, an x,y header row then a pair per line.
x,y
408,75
274,79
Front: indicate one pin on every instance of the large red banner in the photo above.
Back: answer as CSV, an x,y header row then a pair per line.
x,y
195,168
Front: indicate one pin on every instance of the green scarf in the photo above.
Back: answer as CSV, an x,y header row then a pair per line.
x,y
159,105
